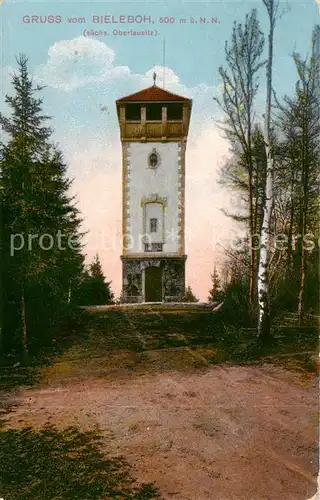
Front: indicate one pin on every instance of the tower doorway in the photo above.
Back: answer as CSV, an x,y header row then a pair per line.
x,y
153,284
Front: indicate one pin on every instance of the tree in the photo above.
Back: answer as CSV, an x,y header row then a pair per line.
x,y
240,86
189,296
235,272
215,294
1,270
299,123
234,176
285,200
263,292
93,289
36,209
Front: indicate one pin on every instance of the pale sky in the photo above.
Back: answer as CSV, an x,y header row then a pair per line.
x,y
86,74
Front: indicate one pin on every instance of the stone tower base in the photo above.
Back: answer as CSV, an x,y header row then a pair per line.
x,y
153,279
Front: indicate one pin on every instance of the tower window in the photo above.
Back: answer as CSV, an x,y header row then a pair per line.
x,y
174,111
153,225
153,247
153,159
133,112
154,111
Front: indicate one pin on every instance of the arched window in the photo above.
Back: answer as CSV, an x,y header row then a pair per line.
x,y
153,227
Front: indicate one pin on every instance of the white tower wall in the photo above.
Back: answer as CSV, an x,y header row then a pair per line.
x,y
161,186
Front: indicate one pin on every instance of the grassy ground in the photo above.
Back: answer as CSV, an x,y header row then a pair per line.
x,y
53,464
196,334
115,344
161,338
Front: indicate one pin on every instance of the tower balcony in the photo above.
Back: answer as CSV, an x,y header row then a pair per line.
x,y
153,114
153,130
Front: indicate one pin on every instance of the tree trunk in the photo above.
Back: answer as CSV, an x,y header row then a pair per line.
x,y
290,233
251,218
263,291
1,276
305,201
302,276
24,337
263,288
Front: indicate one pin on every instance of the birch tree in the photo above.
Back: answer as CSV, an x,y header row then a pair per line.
x,y
272,7
290,215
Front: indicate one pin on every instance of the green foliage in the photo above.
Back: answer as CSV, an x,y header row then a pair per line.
x,y
189,296
36,279
292,271
93,289
51,463
236,309
240,80
216,293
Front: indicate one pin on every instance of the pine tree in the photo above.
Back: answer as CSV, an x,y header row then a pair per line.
x,y
36,206
101,290
215,294
93,289
189,295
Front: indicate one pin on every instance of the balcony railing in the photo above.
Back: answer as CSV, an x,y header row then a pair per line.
x,y
152,130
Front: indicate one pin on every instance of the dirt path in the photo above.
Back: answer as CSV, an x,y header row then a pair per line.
x,y
240,433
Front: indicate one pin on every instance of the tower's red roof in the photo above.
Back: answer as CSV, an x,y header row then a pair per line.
x,y
153,93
